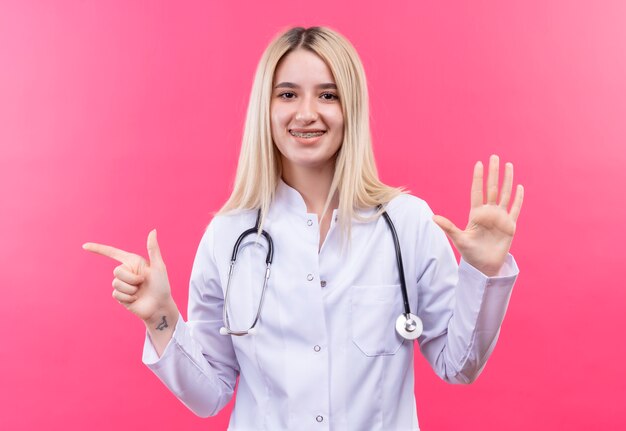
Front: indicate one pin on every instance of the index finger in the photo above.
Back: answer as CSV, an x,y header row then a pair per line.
x,y
108,251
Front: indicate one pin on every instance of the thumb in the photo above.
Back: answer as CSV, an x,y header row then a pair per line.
x,y
447,226
153,248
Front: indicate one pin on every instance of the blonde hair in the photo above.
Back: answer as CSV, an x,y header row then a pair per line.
x,y
259,167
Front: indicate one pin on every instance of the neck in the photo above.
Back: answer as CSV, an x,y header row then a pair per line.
x,y
313,184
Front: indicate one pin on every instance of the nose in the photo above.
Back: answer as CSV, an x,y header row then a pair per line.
x,y
306,112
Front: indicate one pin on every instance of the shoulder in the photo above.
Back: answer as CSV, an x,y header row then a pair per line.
x,y
411,215
234,218
225,224
407,204
414,219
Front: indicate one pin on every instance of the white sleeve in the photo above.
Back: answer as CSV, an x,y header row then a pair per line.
x,y
461,308
199,365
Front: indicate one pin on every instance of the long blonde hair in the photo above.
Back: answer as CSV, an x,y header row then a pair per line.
x,y
356,177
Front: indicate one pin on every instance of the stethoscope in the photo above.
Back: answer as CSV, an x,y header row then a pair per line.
x,y
408,325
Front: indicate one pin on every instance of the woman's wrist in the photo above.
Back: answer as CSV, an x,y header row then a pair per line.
x,y
165,316
161,325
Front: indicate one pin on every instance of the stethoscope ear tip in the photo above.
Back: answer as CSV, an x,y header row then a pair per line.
x,y
223,331
411,328
252,331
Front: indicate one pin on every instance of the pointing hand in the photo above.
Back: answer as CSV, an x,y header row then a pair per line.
x,y
140,286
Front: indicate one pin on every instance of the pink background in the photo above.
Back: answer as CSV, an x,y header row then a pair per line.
x,y
117,117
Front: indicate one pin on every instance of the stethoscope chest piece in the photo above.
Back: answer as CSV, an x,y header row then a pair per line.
x,y
409,328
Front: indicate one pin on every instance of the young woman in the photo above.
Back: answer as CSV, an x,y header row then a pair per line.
x,y
322,340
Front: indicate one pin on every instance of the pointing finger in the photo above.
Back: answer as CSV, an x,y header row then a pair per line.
x,y
108,251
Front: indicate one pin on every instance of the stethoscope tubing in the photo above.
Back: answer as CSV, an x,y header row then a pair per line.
x,y
396,242
226,330
408,325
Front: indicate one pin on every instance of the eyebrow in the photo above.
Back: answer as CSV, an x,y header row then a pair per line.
x,y
325,86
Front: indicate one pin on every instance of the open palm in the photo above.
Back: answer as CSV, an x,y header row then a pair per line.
x,y
487,238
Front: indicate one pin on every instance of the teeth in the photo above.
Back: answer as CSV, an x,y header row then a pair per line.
x,y
307,134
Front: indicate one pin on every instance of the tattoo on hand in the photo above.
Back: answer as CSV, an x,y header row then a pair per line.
x,y
161,326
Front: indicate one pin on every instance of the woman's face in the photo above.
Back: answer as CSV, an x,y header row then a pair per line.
x,y
306,117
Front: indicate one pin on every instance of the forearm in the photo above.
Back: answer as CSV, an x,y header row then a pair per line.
x,y
161,326
480,306
201,376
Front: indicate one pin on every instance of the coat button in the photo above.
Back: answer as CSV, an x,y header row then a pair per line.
x,y
319,418
309,277
317,348
323,283
309,222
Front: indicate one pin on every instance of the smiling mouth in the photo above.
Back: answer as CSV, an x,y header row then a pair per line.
x,y
306,134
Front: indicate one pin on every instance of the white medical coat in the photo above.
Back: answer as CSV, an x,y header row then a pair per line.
x,y
326,355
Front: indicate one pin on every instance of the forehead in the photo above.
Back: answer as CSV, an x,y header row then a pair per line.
x,y
302,65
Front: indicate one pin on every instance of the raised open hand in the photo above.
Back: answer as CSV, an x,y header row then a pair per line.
x,y
140,286
486,240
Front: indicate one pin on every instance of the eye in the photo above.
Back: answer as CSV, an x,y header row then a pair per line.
x,y
329,96
287,95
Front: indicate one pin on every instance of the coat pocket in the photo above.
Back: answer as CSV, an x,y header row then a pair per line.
x,y
373,313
